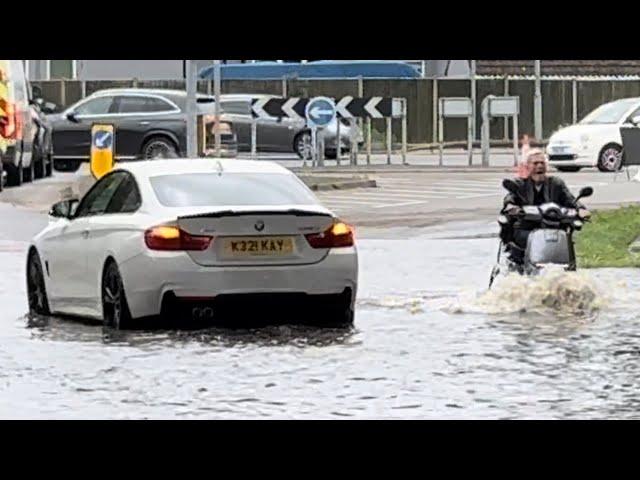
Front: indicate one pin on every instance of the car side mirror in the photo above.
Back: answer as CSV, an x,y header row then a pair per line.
x,y
635,120
64,209
71,116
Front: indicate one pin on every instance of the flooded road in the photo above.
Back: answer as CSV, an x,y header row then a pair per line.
x,y
429,342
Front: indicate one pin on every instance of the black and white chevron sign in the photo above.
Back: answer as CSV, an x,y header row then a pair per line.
x,y
347,107
279,107
371,107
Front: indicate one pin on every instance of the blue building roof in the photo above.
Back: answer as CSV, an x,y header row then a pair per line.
x,y
318,69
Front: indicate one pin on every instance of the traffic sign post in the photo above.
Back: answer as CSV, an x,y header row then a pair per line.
x,y
320,112
455,107
254,138
493,106
103,141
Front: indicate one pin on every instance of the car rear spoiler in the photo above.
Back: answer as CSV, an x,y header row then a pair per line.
x,y
235,213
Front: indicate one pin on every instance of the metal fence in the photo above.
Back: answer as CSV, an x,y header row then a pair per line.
x,y
565,99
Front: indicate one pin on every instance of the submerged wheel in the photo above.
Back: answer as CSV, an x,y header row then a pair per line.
x,y
115,310
36,289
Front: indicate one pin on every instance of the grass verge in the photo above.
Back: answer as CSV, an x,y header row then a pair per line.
x,y
604,242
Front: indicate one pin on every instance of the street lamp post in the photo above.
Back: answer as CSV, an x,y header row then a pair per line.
x,y
192,138
216,88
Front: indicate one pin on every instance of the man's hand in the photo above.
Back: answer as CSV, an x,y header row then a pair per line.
x,y
512,209
583,213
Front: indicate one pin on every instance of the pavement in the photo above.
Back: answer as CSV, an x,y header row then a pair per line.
x,y
40,195
417,199
381,195
453,158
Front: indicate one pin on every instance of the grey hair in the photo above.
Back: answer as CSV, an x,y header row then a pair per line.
x,y
534,152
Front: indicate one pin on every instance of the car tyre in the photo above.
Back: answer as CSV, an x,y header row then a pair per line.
x,y
48,169
342,318
115,309
29,174
14,175
158,147
302,145
610,158
36,288
66,165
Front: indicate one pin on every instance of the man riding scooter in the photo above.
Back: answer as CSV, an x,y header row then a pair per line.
x,y
538,188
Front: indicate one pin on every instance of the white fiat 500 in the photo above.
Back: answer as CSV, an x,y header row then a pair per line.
x,y
208,235
595,141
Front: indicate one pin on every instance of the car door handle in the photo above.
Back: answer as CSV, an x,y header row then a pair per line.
x,y
85,233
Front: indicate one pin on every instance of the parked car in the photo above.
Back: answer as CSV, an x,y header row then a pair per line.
x,y
149,123
595,141
17,128
282,134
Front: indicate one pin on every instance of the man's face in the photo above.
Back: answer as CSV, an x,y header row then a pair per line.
x,y
537,168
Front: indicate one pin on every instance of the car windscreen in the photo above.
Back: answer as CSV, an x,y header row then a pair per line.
x,y
209,189
609,113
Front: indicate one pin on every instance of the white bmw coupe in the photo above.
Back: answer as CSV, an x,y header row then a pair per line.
x,y
209,235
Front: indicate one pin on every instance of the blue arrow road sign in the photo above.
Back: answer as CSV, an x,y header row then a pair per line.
x,y
320,111
103,139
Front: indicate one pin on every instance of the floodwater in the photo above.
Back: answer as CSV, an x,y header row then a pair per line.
x,y
429,342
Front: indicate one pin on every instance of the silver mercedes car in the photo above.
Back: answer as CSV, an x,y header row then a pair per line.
x,y
282,135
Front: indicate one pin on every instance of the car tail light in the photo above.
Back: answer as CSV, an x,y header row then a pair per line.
x,y
170,238
338,235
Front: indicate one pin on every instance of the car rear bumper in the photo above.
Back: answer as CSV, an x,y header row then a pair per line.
x,y
152,275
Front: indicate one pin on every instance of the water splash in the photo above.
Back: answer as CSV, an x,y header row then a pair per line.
x,y
411,304
554,291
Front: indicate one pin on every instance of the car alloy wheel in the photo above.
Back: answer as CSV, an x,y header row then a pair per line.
x,y
304,146
610,159
115,310
158,149
36,290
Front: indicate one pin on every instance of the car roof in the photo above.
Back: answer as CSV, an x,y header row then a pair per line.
x,y
144,91
179,93
625,100
246,96
176,166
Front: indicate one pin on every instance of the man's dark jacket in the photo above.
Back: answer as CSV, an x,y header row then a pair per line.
x,y
553,190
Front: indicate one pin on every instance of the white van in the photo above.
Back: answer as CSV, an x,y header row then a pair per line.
x,y
17,129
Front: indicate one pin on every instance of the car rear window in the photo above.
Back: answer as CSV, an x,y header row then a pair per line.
x,y
208,189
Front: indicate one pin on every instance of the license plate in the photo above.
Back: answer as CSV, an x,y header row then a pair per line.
x,y
258,246
560,149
